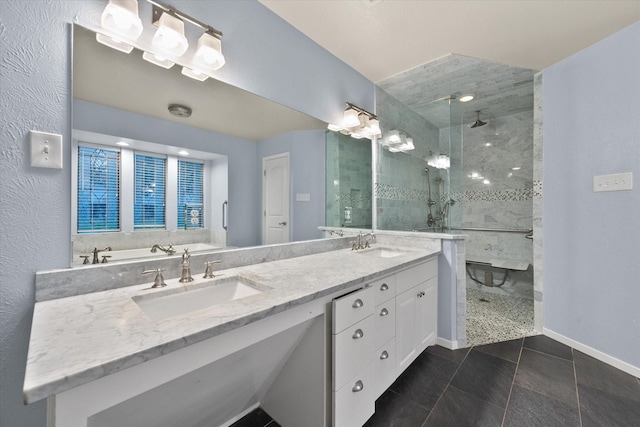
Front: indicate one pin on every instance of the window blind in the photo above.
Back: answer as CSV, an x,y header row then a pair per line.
x,y
149,191
98,189
190,195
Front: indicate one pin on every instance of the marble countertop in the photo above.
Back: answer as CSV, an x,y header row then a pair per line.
x,y
81,338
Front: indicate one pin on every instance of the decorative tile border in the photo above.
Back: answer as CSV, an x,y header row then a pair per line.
x,y
389,192
537,188
356,199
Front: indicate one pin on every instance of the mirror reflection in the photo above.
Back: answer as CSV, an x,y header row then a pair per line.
x,y
196,181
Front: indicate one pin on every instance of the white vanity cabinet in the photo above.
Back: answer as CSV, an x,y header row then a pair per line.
x,y
398,314
353,338
416,312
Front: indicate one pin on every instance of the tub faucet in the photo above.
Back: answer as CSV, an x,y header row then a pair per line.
x,y
186,267
168,250
96,251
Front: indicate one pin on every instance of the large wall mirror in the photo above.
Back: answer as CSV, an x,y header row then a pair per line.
x,y
121,99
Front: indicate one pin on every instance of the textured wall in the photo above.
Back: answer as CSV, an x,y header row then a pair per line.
x,y
591,275
264,55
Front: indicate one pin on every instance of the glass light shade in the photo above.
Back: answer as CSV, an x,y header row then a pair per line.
x,y
394,137
169,37
157,60
209,52
120,19
194,74
373,126
113,43
334,128
350,118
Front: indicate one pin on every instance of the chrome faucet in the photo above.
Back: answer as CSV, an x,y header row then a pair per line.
x,y
208,271
96,251
186,267
338,232
168,250
158,282
363,241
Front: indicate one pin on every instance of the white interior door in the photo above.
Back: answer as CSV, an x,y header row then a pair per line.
x,y
275,199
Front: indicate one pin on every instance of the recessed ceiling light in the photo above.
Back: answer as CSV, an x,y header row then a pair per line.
x,y
516,168
486,181
466,98
488,144
122,143
183,153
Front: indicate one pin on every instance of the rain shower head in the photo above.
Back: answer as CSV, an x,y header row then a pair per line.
x,y
478,122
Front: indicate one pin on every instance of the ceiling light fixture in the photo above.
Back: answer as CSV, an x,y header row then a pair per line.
x,y
122,143
180,110
121,21
358,123
466,98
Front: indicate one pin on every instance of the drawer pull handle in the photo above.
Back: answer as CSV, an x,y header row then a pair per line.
x,y
384,312
358,387
384,287
358,334
384,355
357,303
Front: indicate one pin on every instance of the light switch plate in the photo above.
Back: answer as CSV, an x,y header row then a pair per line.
x,y
303,197
46,150
614,182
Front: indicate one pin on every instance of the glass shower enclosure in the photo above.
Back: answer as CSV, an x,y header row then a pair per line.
x,y
419,179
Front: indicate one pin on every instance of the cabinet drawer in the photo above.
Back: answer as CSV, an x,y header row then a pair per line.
x,y
352,308
413,276
354,403
385,322
352,351
384,289
384,368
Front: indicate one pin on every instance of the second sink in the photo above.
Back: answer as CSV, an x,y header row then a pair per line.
x,y
172,302
381,252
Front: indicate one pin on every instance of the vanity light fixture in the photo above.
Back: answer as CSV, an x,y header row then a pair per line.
x,y
440,161
358,123
122,28
397,142
121,21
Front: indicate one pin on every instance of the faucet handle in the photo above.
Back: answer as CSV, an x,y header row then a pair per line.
x,y
208,272
158,282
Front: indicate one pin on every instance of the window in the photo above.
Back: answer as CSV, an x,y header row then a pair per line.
x,y
190,191
149,195
98,189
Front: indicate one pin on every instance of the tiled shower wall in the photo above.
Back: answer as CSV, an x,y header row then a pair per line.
x,y
401,180
493,151
348,181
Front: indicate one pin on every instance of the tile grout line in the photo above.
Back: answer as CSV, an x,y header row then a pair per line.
x,y
551,355
575,377
513,381
446,387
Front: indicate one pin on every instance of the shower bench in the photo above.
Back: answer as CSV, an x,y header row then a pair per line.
x,y
503,264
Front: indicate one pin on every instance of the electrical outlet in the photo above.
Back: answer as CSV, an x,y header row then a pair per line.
x,y
46,150
614,182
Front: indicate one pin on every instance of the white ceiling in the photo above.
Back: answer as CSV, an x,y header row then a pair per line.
x,y
381,38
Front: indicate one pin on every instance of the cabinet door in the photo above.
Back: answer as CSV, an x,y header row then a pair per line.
x,y
426,314
406,317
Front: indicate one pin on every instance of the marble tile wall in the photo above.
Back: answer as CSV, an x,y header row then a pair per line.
x,y
401,181
348,181
493,151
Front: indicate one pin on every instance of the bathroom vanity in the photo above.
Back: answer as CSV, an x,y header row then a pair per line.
x,y
314,336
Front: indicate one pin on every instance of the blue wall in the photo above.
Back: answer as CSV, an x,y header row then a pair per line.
x,y
591,103
307,175
265,55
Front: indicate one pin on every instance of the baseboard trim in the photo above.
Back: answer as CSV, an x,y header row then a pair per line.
x,y
596,354
451,345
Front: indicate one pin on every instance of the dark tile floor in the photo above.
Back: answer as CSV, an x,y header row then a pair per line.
x,y
532,381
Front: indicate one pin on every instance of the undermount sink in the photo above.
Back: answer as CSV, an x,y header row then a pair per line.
x,y
172,302
381,252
